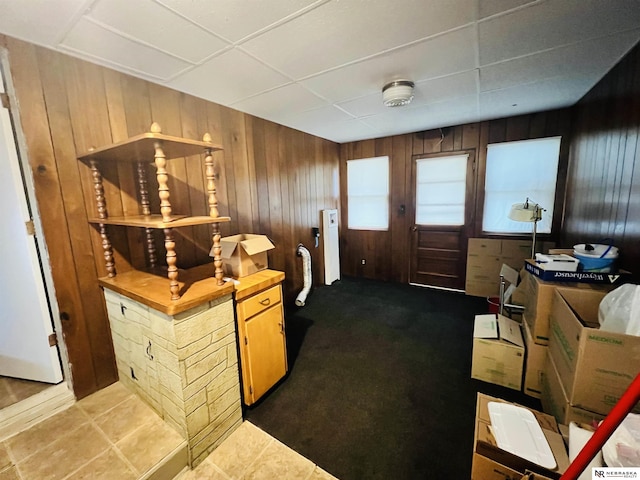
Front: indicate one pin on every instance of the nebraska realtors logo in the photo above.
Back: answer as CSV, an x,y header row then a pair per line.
x,y
615,473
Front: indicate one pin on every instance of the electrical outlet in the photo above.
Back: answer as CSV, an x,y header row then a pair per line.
x,y
364,262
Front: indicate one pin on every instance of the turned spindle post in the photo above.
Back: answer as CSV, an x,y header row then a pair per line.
x,y
146,210
211,176
162,176
101,205
172,270
217,255
213,210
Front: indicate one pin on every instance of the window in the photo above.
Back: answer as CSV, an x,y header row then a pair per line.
x,y
440,190
368,193
517,171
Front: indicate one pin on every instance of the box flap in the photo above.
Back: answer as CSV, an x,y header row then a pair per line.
x,y
256,244
485,326
509,274
228,245
510,331
584,303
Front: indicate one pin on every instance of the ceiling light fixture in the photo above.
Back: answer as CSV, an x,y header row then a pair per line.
x,y
397,93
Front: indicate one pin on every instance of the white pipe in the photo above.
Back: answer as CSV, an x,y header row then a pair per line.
x,y
306,274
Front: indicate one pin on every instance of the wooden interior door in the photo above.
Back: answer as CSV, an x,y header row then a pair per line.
x,y
439,245
25,318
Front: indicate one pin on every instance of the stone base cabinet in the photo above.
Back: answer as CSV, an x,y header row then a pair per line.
x,y
184,365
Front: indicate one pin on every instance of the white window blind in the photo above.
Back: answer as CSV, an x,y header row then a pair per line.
x,y
368,193
515,171
440,190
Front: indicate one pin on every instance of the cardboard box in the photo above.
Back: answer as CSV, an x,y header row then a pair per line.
x,y
244,254
555,402
594,366
534,365
559,262
485,257
537,298
613,278
498,351
492,463
484,247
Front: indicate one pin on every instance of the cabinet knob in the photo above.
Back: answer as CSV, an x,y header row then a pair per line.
x,y
266,301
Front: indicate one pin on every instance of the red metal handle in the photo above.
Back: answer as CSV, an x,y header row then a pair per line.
x,y
618,413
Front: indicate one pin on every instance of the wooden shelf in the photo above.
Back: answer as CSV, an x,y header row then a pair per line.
x,y
156,148
197,285
155,221
140,146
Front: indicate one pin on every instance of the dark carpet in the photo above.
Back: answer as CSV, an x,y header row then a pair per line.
x,y
379,384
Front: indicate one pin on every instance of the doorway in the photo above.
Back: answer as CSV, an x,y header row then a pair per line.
x,y
443,190
30,359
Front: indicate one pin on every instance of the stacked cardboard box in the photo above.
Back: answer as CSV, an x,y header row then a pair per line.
x,y
537,297
588,369
498,351
485,257
490,462
554,399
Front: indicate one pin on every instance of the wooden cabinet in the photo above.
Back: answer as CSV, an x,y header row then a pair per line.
x,y
261,335
155,148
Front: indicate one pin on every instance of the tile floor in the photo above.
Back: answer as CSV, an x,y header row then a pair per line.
x,y
13,390
112,434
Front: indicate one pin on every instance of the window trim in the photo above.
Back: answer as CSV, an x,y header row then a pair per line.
x,y
387,195
417,158
561,179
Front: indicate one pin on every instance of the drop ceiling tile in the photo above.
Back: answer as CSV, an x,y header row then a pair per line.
x,y
38,21
546,25
346,131
589,58
236,19
488,8
445,54
285,100
544,95
313,118
430,91
228,78
90,40
154,24
321,119
339,32
424,117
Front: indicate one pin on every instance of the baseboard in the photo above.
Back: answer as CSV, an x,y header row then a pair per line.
x,y
22,415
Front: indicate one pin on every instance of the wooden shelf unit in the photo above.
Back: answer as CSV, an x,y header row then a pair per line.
x,y
156,148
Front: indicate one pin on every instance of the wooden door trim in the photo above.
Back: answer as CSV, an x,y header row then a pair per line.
x,y
466,230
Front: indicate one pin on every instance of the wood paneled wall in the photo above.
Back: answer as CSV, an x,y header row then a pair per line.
x,y
386,254
273,180
603,191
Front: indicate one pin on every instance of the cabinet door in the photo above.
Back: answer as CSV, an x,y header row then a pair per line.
x,y
266,350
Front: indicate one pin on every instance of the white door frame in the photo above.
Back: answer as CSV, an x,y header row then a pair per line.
x,y
22,151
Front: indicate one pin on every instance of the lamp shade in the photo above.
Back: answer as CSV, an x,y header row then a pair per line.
x,y
525,212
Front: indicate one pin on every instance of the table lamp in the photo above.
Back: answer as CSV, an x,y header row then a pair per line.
x,y
528,211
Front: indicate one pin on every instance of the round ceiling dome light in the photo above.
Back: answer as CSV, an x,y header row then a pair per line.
x,y
397,93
